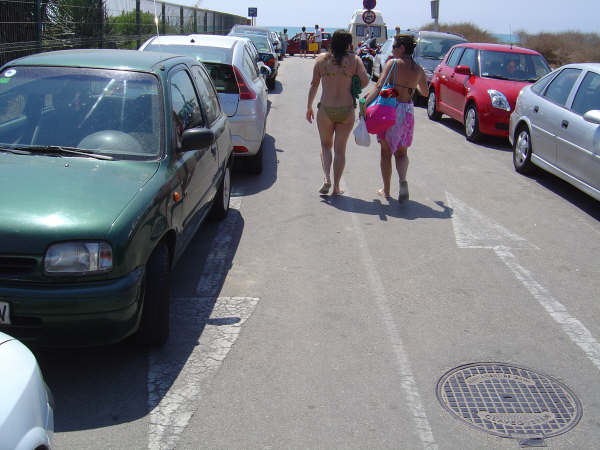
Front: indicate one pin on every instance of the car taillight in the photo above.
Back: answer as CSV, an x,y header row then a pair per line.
x,y
271,62
245,92
239,149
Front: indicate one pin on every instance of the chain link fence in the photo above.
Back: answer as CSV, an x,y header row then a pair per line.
x,y
32,26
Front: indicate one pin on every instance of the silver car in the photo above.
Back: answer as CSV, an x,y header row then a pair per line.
x,y
556,126
239,80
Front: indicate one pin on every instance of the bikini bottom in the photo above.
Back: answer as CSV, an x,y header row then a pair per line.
x,y
337,114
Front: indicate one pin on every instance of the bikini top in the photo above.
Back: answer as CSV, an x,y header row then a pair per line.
x,y
411,90
341,72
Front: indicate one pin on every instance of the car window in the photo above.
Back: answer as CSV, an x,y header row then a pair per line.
x,y
455,56
250,66
514,66
198,52
469,58
185,106
208,95
542,83
559,89
222,77
588,94
434,47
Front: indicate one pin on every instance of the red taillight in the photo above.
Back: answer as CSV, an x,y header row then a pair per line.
x,y
239,149
245,92
271,62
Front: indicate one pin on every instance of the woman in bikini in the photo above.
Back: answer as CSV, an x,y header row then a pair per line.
x,y
335,112
406,76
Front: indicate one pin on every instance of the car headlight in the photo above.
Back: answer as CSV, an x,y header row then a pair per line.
x,y
78,257
498,100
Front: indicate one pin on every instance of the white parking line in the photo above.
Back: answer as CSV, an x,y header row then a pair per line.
x,y
407,379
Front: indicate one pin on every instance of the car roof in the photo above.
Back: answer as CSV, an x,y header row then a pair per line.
x,y
98,59
251,28
498,47
207,40
439,34
595,67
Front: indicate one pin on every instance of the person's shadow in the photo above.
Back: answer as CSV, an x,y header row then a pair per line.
x,y
409,210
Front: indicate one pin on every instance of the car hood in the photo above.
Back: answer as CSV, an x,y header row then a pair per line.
x,y
509,88
45,198
428,63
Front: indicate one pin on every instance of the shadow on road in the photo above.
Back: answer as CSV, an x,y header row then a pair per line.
x,y
491,142
100,387
244,183
409,210
278,89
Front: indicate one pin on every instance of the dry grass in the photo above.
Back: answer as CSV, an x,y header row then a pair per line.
x,y
558,48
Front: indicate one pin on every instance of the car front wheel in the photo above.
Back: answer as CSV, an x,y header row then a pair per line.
x,y
220,206
432,111
522,151
472,124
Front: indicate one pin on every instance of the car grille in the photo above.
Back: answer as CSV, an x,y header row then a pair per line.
x,y
16,266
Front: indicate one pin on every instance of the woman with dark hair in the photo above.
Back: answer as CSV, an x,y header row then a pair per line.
x,y
406,76
334,70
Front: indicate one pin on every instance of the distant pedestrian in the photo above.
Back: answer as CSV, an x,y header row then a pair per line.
x,y
335,71
318,39
303,42
398,31
284,39
406,76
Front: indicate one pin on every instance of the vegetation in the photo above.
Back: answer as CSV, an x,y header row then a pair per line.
x,y
558,48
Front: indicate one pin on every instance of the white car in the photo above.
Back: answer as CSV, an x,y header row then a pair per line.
x,y
26,407
239,80
556,126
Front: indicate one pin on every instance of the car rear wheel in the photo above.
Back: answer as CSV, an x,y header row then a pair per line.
x,y
432,111
254,164
220,206
522,151
271,83
154,324
472,124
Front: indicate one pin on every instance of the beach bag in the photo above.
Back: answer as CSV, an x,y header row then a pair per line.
x,y
381,113
361,135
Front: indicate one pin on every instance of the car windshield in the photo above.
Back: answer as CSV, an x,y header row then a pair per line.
x,y
513,66
435,48
199,52
111,112
260,41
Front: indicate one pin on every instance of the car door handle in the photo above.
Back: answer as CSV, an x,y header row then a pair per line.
x,y
565,124
536,108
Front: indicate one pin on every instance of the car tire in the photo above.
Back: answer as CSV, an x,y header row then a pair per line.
x,y
254,164
220,206
154,323
271,83
522,150
432,111
291,54
472,123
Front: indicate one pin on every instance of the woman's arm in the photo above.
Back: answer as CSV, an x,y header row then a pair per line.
x,y
375,91
361,72
312,92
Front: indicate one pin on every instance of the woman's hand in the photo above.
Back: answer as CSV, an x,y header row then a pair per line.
x,y
310,114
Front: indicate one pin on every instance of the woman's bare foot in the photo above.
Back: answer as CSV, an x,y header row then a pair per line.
x,y
337,191
383,193
325,188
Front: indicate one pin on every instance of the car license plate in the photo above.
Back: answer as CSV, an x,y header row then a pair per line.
x,y
4,313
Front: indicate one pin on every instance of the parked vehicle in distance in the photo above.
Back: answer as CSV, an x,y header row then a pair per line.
x,y
118,156
27,407
238,81
556,126
477,84
367,51
382,56
266,52
293,46
362,31
277,44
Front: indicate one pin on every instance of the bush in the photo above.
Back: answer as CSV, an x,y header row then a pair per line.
x,y
470,31
563,48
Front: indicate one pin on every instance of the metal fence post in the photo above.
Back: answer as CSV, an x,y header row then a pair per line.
x,y
205,22
137,23
101,24
214,27
164,24
181,31
195,20
38,24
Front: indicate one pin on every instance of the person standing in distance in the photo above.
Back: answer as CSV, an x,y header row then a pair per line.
x,y
284,39
334,71
318,38
406,76
303,42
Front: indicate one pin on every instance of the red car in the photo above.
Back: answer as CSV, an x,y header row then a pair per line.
x,y
293,44
478,85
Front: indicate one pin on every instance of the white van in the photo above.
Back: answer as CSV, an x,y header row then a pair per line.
x,y
359,29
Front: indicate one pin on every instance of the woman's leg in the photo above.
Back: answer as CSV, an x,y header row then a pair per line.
x,y
386,168
401,156
342,132
326,128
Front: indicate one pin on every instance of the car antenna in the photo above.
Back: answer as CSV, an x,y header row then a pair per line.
x,y
156,19
510,35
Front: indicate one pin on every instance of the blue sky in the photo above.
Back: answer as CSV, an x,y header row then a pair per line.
x,y
496,16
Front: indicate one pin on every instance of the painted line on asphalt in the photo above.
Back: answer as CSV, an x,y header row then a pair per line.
x,y
474,230
203,332
407,379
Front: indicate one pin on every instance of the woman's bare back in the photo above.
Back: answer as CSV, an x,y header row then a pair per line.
x,y
336,79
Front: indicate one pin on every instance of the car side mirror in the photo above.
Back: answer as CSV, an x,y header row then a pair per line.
x,y
196,138
463,70
592,116
265,70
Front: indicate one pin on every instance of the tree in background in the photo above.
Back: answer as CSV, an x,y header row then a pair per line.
x,y
563,48
125,30
76,23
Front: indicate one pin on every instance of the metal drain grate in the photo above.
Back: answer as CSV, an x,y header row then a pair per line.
x,y
509,401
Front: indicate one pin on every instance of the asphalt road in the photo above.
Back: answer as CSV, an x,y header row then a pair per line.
x,y
304,321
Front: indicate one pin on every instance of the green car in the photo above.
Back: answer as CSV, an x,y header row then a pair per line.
x,y
110,160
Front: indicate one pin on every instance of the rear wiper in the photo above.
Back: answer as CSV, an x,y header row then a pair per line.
x,y
60,149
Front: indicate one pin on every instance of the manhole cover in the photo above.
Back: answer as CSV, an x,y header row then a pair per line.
x,y
509,401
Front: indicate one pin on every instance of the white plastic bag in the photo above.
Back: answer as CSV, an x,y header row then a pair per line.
x,y
361,135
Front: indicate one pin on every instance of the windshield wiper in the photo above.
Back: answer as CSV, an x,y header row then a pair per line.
x,y
499,77
59,149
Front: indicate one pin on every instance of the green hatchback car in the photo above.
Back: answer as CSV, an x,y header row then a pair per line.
x,y
110,160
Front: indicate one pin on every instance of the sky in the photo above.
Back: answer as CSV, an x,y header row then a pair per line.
x,y
494,16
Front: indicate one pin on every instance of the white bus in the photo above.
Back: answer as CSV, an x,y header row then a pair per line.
x,y
359,29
